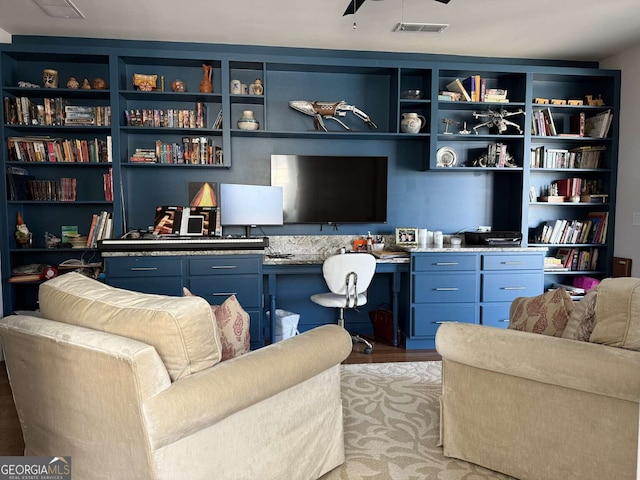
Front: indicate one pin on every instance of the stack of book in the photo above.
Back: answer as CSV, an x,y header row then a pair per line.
x,y
101,228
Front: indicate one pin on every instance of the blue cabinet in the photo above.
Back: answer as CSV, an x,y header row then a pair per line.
x,y
504,277
471,287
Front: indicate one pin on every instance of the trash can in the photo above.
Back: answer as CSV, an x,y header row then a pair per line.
x,y
286,324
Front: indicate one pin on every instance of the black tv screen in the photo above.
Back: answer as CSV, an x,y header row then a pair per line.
x,y
331,189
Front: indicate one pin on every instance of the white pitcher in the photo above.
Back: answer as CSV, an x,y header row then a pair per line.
x,y
412,122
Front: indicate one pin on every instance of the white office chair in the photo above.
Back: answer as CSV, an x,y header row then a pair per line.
x,y
348,276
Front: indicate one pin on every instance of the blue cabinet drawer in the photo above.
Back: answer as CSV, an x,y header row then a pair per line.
x,y
513,262
427,318
157,285
443,262
495,315
507,287
216,289
225,265
143,267
441,288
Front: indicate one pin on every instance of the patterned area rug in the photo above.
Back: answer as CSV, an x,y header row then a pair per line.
x,y
392,426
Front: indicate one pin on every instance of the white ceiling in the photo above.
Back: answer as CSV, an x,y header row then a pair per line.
x,y
550,29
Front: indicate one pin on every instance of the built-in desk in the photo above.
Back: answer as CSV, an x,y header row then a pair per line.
x,y
301,264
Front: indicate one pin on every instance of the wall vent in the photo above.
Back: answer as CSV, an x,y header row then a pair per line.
x,y
420,27
59,8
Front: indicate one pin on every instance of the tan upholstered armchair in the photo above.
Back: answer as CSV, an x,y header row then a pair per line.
x,y
542,407
130,386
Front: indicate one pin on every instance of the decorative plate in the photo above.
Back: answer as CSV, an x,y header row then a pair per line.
x,y
446,157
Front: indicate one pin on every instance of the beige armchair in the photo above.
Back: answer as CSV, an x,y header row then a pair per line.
x,y
130,386
541,407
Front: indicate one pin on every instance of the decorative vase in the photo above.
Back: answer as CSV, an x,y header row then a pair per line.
x,y
206,86
247,121
50,78
412,122
99,84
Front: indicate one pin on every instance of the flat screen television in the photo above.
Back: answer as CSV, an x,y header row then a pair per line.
x,y
332,189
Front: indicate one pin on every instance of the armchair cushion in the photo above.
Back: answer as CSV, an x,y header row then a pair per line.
x,y
546,314
617,321
182,329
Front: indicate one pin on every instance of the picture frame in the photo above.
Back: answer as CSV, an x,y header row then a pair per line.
x,y
407,236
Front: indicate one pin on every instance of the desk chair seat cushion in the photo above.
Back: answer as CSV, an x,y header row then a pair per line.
x,y
233,326
336,301
183,330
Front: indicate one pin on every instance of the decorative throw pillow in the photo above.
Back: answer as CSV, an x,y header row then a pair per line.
x,y
546,314
617,320
233,324
582,318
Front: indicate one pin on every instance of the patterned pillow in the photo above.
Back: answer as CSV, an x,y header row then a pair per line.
x,y
546,314
582,318
233,324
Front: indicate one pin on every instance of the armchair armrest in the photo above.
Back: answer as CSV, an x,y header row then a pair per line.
x,y
202,399
584,366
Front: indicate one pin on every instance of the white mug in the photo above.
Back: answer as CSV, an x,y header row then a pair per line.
x,y
235,87
244,88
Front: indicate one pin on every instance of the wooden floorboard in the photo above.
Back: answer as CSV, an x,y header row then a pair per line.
x,y
11,442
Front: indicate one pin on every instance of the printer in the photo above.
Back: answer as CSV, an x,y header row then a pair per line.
x,y
496,238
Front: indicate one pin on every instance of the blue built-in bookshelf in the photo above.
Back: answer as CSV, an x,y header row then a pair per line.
x,y
422,192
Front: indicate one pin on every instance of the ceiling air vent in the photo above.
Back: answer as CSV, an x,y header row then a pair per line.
x,y
59,8
420,27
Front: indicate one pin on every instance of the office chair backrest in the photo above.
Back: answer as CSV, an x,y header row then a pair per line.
x,y
349,269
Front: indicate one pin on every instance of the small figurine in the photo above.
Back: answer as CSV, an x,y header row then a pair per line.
x,y
73,83
178,86
447,122
498,120
86,85
258,88
99,84
22,233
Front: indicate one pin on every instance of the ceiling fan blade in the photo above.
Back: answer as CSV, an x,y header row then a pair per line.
x,y
443,1
353,7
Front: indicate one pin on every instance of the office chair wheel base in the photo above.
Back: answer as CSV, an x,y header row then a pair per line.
x,y
368,350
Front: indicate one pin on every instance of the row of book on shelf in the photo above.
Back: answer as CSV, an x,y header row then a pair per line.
x,y
573,259
587,156
22,186
596,126
48,149
572,187
473,89
54,112
192,151
593,229
169,117
101,228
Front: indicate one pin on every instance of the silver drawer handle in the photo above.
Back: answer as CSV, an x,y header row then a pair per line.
x,y
440,322
513,263
504,320
225,294
217,267
144,269
446,289
446,264
513,288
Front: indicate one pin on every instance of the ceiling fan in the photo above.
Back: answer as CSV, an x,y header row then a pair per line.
x,y
354,5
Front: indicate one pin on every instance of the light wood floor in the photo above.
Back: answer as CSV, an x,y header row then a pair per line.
x,y
11,442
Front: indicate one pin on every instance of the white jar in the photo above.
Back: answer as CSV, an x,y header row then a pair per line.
x,y
412,122
438,239
235,87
